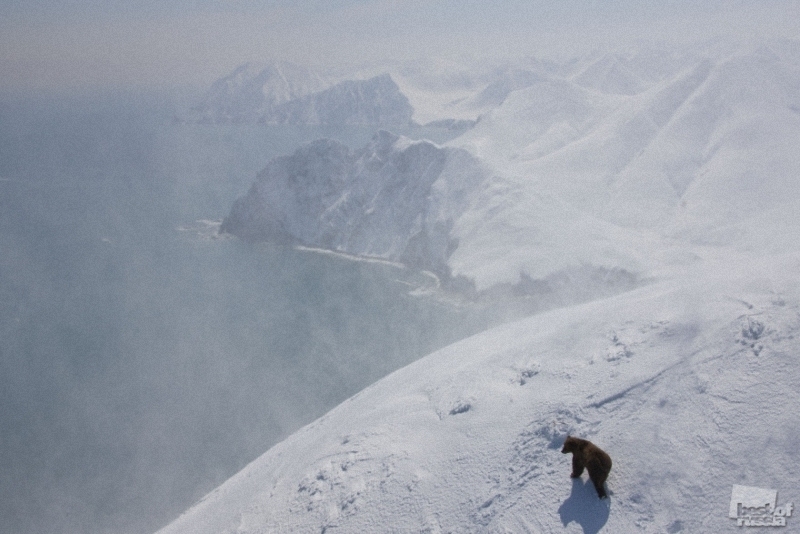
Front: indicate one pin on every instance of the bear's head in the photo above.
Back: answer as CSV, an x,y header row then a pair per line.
x,y
570,445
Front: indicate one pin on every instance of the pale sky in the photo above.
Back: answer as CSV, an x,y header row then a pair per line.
x,y
80,44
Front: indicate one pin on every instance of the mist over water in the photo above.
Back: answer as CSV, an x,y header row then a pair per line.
x,y
143,361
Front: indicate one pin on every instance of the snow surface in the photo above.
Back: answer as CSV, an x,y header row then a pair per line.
x,y
681,170
689,383
698,153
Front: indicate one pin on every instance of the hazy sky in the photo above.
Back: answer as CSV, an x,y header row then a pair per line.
x,y
162,43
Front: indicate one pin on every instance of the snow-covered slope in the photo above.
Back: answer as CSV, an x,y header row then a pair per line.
x,y
676,150
691,158
690,384
464,90
467,88
394,199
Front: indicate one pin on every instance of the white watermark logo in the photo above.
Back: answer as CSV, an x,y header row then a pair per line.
x,y
757,507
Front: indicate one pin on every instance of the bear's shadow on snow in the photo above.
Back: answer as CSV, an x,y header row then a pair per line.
x,y
583,507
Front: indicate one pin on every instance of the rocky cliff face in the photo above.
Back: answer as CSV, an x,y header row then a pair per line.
x,y
395,199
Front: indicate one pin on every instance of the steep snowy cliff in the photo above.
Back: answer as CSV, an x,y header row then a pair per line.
x,y
394,199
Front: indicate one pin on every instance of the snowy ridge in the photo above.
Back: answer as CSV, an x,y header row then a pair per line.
x,y
468,88
682,382
394,199
635,158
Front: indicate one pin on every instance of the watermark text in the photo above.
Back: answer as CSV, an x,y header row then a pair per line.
x,y
757,507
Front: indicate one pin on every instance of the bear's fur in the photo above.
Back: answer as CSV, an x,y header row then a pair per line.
x,y
587,454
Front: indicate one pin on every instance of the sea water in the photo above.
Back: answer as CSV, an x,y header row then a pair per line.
x,y
144,358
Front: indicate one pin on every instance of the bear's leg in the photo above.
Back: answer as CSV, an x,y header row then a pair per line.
x,y
598,477
577,466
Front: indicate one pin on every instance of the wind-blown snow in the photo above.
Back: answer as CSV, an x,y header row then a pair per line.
x,y
680,170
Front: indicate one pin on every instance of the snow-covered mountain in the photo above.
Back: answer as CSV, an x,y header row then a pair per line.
x,y
394,199
678,171
463,90
286,93
468,88
699,157
251,91
579,176
373,102
496,92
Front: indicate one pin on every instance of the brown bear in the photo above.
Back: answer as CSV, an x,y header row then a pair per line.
x,y
587,454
